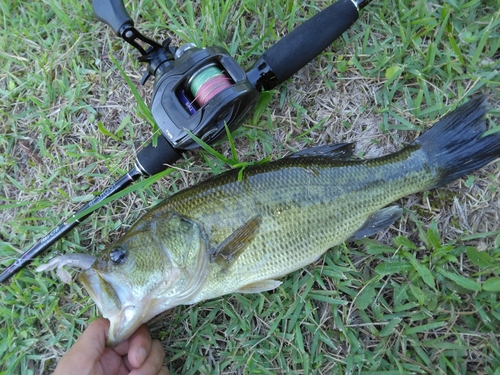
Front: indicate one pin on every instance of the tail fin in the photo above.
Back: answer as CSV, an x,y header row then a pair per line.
x,y
456,146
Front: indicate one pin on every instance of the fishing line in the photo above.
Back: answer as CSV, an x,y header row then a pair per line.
x,y
208,82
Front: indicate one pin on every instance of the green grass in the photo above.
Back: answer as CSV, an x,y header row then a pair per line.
x,y
420,298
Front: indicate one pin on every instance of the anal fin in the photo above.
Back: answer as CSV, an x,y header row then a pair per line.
x,y
259,286
378,221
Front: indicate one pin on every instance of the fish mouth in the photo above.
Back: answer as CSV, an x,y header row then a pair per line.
x,y
124,317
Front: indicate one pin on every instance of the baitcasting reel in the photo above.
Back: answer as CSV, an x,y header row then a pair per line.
x,y
195,89
200,90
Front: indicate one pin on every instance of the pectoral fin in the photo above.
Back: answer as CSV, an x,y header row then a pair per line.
x,y
378,221
336,151
236,243
259,286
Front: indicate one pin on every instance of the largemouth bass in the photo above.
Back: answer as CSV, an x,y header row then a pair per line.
x,y
227,235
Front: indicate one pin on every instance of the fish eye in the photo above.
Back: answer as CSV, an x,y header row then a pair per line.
x,y
118,255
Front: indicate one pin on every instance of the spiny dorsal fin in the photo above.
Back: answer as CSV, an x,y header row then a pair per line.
x,y
378,221
259,286
336,151
236,243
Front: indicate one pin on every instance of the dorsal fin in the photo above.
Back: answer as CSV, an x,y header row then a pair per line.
x,y
336,151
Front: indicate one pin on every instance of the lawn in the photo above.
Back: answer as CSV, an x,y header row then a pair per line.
x,y
419,298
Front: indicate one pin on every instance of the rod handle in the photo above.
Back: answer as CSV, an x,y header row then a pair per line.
x,y
307,41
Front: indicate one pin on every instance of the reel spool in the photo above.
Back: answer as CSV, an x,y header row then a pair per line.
x,y
208,82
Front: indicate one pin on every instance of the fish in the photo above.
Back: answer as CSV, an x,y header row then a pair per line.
x,y
241,231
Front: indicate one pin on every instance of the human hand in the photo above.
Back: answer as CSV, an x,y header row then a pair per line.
x,y
139,355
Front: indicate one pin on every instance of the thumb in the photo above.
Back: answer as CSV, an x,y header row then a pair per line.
x,y
92,343
87,350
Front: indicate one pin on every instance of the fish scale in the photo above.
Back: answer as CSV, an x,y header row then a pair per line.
x,y
227,235
307,207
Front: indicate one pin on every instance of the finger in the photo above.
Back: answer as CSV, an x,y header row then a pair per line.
x,y
90,346
126,363
92,342
122,348
139,346
153,364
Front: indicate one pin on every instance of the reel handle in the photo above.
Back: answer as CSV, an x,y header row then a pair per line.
x,y
304,43
112,13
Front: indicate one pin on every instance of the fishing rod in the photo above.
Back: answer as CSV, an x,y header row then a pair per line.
x,y
199,91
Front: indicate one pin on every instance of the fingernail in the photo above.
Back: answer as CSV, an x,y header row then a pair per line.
x,y
141,356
